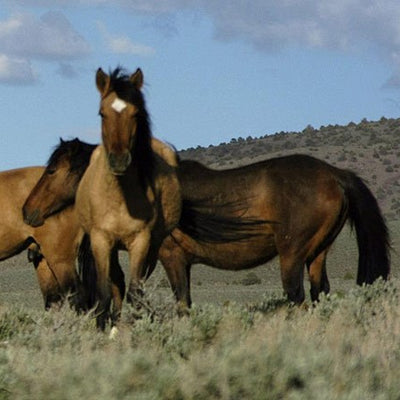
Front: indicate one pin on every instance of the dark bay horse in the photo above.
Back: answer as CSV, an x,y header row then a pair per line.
x,y
305,200
53,246
129,195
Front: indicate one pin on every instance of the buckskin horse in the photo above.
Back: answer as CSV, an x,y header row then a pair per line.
x,y
129,196
305,200
53,247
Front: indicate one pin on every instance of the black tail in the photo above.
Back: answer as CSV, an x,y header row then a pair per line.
x,y
212,225
87,271
372,233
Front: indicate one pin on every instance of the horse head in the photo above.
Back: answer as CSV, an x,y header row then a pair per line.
x,y
59,182
124,119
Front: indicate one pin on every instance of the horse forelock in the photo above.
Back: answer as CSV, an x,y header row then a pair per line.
x,y
125,89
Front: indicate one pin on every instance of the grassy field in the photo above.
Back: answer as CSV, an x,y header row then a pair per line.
x,y
241,341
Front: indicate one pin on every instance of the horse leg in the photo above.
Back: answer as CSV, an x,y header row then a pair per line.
x,y
138,251
177,268
117,286
64,280
102,247
47,282
59,248
292,272
318,276
57,278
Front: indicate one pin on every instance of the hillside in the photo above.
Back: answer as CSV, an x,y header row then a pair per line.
x,y
371,149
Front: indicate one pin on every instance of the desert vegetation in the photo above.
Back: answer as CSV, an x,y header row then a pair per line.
x,y
343,347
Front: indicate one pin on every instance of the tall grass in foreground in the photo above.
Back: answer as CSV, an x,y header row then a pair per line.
x,y
343,348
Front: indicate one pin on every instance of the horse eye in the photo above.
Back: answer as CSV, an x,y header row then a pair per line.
x,y
101,114
50,171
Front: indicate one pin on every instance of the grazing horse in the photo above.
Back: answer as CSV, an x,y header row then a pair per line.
x,y
52,248
129,195
307,202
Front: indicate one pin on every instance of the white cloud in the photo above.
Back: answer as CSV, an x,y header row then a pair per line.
x,y
121,44
339,24
49,38
268,25
149,7
16,71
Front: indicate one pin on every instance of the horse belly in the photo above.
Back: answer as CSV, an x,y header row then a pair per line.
x,y
236,256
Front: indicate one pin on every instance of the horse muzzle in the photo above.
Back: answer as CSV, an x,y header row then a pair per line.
x,y
119,163
33,218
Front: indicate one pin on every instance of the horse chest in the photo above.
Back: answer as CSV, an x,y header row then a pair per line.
x,y
119,218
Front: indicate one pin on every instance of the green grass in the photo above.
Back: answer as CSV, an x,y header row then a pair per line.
x,y
345,348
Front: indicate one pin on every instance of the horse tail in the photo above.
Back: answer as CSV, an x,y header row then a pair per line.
x,y
87,271
209,225
372,233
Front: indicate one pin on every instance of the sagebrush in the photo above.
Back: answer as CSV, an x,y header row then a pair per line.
x,y
343,347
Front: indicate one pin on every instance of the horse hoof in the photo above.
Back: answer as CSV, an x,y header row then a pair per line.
x,y
114,333
304,306
182,309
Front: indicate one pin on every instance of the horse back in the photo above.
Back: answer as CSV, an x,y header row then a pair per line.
x,y
20,180
15,186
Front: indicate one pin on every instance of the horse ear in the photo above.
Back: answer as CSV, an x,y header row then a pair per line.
x,y
102,81
74,146
137,78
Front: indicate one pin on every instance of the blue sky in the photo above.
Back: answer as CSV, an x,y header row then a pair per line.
x,y
213,70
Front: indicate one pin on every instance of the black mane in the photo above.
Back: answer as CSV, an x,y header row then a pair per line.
x,y
142,154
78,154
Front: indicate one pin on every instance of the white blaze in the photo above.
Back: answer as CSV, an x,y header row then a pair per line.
x,y
118,105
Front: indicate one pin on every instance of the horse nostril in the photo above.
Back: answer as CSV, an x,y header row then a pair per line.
x,y
119,163
127,159
32,218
